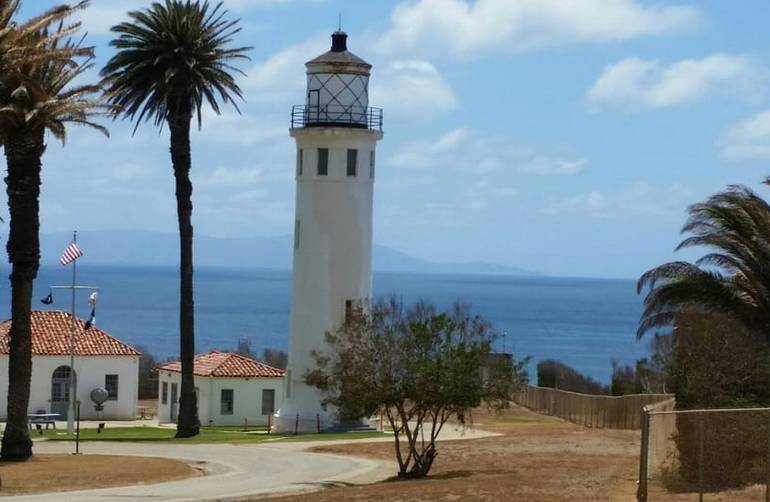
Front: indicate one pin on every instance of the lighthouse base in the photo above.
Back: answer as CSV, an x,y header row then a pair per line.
x,y
296,418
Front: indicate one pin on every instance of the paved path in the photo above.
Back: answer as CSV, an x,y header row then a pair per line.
x,y
233,471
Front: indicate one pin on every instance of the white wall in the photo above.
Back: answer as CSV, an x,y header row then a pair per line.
x,y
90,371
247,398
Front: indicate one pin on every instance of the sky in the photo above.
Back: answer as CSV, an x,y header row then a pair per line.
x,y
566,137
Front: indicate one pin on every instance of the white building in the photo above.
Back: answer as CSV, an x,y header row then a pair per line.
x,y
336,133
230,388
100,361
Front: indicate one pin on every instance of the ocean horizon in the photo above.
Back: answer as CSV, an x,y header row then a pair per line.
x,y
583,322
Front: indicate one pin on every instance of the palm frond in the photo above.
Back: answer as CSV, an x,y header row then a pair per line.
x,y
733,279
173,58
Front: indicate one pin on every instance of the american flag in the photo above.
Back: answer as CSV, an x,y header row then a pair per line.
x,y
70,254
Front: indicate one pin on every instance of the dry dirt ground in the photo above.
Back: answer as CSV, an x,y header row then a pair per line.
x,y
46,473
536,459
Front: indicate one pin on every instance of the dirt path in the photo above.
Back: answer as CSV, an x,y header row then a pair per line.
x,y
536,459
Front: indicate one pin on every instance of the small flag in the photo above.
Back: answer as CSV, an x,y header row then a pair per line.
x,y
70,254
90,322
48,299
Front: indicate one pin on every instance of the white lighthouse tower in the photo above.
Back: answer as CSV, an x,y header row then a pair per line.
x,y
336,133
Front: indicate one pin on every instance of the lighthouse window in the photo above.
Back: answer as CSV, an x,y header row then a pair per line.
x,y
299,161
296,234
348,310
352,162
323,161
371,164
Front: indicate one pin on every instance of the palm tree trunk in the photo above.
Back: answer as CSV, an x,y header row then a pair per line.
x,y
188,424
23,151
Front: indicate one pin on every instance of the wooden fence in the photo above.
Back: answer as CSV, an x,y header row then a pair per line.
x,y
607,412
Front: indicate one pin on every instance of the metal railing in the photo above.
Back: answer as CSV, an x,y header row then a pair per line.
x,y
357,117
695,452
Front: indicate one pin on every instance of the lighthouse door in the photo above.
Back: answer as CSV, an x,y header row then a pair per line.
x,y
313,105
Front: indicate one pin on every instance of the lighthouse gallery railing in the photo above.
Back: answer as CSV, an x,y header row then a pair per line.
x,y
336,115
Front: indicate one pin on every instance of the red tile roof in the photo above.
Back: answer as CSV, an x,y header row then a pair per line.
x,y
51,337
226,364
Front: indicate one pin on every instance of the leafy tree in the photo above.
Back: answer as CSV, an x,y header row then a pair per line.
x,y
171,59
557,375
275,358
37,71
418,366
148,374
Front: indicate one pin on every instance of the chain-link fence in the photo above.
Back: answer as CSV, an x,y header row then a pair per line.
x,y
719,454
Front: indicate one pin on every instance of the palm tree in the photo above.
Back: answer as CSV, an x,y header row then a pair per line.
x,y
171,59
732,280
36,95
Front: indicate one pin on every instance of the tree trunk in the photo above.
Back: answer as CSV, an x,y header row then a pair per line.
x,y
23,151
188,424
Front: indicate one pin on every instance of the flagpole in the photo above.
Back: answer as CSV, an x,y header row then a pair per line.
x,y
71,411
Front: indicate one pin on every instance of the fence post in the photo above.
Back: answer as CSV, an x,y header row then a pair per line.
x,y
318,422
767,461
296,425
641,492
701,424
269,423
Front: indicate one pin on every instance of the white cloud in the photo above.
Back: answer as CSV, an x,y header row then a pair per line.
x,y
101,15
547,166
411,90
281,77
593,201
639,199
468,29
747,140
464,149
634,82
230,128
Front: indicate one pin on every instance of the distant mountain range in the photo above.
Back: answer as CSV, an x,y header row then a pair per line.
x,y
136,247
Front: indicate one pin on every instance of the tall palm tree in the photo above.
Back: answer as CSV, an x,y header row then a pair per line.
x,y
36,95
733,279
171,59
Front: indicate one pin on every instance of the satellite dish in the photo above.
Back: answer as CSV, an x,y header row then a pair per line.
x,y
99,395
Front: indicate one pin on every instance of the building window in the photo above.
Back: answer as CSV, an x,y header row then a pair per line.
x,y
371,164
296,234
226,402
268,401
352,162
300,159
111,384
164,393
323,161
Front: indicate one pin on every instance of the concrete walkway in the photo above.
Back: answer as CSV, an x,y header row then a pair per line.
x,y
235,471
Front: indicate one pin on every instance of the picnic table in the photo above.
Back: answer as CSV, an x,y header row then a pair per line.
x,y
43,418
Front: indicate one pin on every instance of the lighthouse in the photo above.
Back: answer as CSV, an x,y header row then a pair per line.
x,y
336,133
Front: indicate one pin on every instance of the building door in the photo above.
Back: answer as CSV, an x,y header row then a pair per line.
x,y
174,402
60,391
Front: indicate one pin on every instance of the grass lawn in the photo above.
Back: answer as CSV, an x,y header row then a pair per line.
x,y
46,473
207,435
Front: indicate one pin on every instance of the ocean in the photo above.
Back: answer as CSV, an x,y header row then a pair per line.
x,y
584,322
